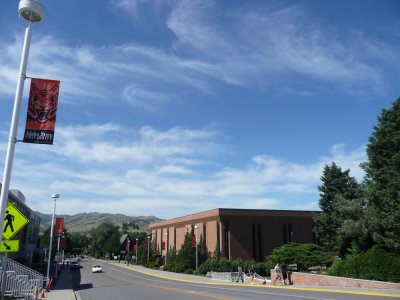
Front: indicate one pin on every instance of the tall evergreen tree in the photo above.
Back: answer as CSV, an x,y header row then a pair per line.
x,y
186,255
383,178
338,190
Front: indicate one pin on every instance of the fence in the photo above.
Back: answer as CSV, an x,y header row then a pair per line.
x,y
19,281
233,276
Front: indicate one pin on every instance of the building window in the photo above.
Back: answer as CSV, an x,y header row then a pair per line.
x,y
259,233
284,234
290,230
218,237
253,239
205,234
175,237
227,250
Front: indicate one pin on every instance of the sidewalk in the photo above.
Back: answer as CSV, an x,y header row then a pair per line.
x,y
62,290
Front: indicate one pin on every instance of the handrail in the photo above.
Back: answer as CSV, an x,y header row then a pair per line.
x,y
20,281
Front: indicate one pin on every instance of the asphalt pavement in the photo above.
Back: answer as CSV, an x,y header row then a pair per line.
x,y
63,289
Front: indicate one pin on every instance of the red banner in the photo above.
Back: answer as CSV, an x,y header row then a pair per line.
x,y
162,245
42,110
63,243
194,241
59,228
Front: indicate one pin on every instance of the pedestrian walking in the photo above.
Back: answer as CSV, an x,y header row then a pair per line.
x,y
240,274
285,273
252,271
278,271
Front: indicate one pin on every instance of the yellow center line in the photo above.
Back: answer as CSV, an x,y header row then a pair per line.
x,y
265,286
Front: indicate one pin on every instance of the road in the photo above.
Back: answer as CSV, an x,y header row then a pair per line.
x,y
120,283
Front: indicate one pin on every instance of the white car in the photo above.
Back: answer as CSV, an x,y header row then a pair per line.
x,y
97,269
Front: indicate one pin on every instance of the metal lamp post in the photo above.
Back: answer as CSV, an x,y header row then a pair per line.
x,y
129,251
33,12
137,245
55,197
148,248
197,252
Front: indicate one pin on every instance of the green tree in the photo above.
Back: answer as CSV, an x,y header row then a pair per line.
x,y
171,256
186,255
129,227
217,251
303,255
202,250
105,239
338,190
383,178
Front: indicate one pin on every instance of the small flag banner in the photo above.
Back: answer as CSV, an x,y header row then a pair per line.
x,y
42,110
59,228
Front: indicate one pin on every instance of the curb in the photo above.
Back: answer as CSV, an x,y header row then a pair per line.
x,y
319,289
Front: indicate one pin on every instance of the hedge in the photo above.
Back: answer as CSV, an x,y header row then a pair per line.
x,y
374,264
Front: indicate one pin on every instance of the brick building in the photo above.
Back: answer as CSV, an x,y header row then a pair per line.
x,y
240,233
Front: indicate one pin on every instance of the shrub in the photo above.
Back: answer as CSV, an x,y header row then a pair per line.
x,y
224,265
303,255
374,264
152,265
174,267
207,266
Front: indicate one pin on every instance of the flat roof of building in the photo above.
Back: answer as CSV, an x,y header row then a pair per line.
x,y
217,213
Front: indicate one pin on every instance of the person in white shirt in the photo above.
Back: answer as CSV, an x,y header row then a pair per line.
x,y
278,271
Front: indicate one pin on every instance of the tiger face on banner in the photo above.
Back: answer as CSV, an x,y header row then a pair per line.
x,y
42,111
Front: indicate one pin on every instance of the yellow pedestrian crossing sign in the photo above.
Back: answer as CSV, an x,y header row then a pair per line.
x,y
14,221
9,246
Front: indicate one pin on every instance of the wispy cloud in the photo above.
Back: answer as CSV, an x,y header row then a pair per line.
x,y
264,44
147,171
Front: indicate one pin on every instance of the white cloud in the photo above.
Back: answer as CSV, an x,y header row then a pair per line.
x,y
263,44
163,173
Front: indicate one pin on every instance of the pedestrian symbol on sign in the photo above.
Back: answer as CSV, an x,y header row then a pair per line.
x,y
14,221
9,219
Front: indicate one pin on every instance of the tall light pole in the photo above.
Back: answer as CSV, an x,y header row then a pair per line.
x,y
148,248
58,253
129,251
33,12
55,197
137,246
197,251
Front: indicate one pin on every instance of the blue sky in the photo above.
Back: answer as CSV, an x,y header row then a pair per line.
x,y
168,108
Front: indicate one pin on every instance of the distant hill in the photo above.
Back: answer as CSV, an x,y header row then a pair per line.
x,y
87,221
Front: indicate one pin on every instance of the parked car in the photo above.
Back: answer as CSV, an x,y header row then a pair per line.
x,y
97,269
74,264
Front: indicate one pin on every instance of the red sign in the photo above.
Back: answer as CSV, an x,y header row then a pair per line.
x,y
162,245
63,243
59,228
194,241
42,110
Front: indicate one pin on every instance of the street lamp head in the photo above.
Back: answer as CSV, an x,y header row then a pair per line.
x,y
55,196
31,10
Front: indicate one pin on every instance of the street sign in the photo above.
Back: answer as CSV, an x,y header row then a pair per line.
x,y
9,246
14,221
